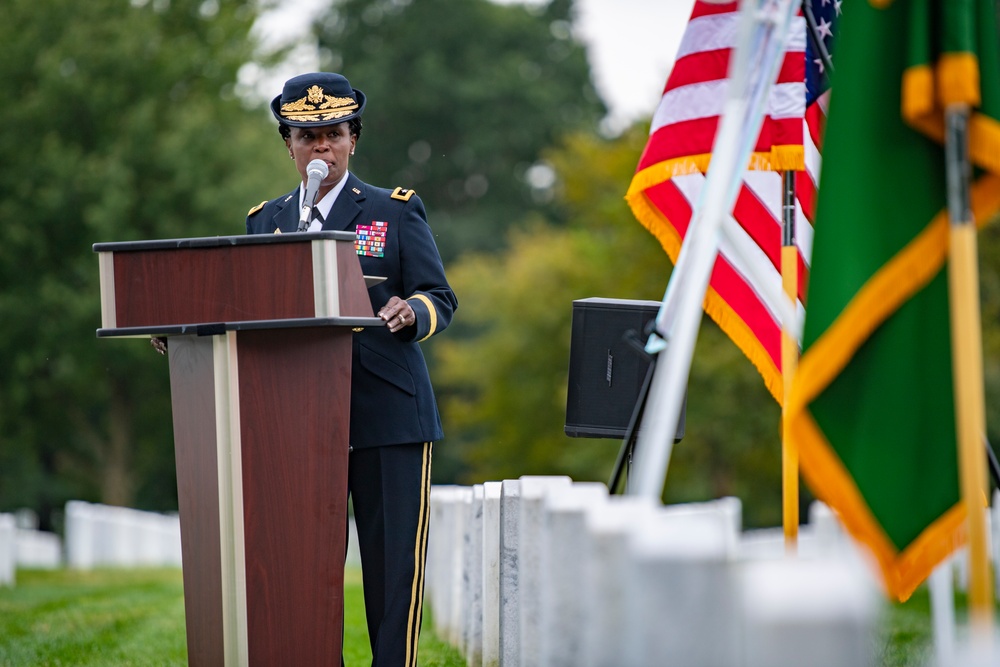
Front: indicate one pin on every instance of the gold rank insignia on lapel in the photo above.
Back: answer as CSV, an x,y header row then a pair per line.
x,y
277,230
402,194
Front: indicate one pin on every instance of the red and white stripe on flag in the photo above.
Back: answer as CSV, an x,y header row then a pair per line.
x,y
746,280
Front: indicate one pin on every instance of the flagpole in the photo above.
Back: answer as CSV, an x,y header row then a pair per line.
x,y
789,361
967,361
753,70
790,331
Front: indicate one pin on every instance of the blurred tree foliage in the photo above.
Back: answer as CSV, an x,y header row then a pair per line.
x,y
123,123
502,373
462,97
120,122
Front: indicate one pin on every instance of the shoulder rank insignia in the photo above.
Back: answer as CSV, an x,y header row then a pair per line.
x,y
256,208
402,194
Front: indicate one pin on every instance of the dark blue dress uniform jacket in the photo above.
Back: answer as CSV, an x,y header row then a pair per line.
x,y
392,401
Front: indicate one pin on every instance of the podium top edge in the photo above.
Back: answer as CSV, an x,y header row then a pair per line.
x,y
605,301
216,328
220,241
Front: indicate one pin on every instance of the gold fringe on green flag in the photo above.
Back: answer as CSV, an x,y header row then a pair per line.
x,y
872,407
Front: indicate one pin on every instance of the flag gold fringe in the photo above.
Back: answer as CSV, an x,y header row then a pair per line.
x,y
908,272
958,79
663,171
917,93
902,571
789,157
741,334
923,89
984,142
732,324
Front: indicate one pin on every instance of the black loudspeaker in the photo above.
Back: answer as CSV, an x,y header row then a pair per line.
x,y
606,372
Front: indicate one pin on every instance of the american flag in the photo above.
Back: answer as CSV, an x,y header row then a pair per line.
x,y
746,279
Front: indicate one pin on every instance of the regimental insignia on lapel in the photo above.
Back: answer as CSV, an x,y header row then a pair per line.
x,y
402,194
256,208
277,230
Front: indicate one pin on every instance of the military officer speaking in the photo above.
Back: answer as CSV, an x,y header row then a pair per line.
x,y
394,416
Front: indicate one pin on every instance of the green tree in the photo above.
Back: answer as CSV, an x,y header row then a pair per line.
x,y
121,122
502,374
463,95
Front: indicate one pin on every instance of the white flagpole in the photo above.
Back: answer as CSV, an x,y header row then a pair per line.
x,y
753,70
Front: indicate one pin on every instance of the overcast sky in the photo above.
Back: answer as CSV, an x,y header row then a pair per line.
x,y
631,44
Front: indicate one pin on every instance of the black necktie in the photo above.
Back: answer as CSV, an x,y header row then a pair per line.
x,y
317,216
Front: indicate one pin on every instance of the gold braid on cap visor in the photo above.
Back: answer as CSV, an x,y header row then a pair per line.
x,y
317,105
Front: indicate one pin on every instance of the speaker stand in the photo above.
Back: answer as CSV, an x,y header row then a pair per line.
x,y
624,461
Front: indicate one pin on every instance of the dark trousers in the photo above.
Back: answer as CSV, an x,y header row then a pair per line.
x,y
390,491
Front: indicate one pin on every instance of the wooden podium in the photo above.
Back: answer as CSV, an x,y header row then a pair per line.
x,y
259,331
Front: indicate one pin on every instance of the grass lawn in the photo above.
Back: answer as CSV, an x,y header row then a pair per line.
x,y
135,618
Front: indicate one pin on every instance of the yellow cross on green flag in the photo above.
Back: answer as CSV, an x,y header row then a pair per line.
x,y
871,407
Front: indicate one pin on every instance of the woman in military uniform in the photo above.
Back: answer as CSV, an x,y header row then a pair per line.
x,y
394,416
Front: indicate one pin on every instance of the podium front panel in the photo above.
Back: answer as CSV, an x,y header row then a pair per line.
x,y
261,426
294,445
216,289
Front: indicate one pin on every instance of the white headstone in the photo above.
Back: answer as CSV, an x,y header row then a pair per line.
x,y
563,570
440,550
808,613
81,538
683,602
459,591
8,550
510,595
491,574
533,492
473,579
605,557
38,549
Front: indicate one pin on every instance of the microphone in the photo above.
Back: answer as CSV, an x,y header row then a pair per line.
x,y
316,171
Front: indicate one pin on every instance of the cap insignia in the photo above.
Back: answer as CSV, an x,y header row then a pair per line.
x,y
318,106
315,95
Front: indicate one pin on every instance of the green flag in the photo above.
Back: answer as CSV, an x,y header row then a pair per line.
x,y
871,406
